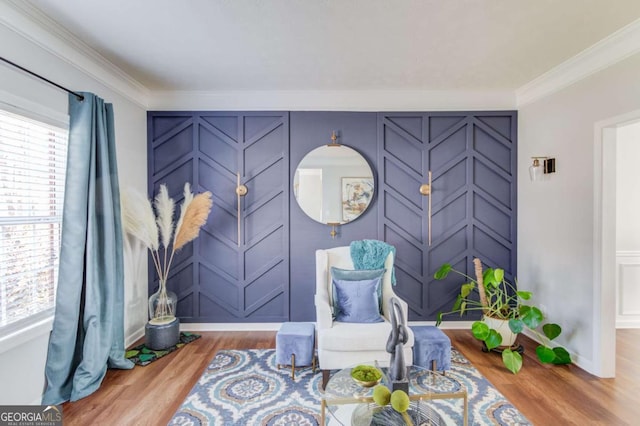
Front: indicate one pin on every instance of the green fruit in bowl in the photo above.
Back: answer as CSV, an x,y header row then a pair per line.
x,y
366,375
400,401
381,395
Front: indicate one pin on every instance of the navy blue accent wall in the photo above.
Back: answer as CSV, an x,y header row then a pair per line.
x,y
271,277
472,158
310,130
223,276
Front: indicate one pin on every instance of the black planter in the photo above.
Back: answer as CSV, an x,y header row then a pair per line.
x,y
164,336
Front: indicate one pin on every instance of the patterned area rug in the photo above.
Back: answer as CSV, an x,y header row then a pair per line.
x,y
142,355
245,388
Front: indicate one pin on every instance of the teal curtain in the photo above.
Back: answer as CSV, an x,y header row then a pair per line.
x,y
88,327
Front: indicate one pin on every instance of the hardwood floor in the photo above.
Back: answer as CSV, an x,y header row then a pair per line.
x,y
546,395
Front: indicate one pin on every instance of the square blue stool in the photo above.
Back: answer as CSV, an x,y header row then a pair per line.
x,y
432,348
295,342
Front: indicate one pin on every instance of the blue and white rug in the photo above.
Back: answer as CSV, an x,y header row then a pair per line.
x,y
245,388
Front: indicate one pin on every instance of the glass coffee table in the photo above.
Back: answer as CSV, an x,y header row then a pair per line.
x,y
346,403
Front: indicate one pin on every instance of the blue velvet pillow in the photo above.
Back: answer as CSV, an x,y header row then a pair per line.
x,y
357,300
355,275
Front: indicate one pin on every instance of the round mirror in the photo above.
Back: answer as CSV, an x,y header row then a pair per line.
x,y
333,184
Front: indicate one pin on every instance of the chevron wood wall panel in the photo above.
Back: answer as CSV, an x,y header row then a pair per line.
x,y
270,276
219,278
472,157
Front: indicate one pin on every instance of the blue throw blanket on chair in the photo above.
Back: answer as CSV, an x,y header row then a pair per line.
x,y
371,254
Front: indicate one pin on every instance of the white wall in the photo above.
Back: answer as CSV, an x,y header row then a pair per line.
x,y
627,226
22,362
556,217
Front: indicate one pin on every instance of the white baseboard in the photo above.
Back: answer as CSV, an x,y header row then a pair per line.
x,y
635,323
274,326
133,337
577,359
266,326
446,325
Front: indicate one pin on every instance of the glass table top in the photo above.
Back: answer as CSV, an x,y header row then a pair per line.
x,y
349,403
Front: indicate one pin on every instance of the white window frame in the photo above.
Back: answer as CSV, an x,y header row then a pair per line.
x,y
36,325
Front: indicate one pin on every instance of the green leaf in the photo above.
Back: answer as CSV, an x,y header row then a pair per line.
x,y
545,354
498,274
562,356
551,330
131,354
465,289
146,350
489,278
532,318
456,305
524,295
516,325
463,307
439,319
493,340
480,330
442,272
146,357
512,360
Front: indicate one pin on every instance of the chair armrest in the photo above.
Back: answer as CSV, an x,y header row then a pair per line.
x,y
323,313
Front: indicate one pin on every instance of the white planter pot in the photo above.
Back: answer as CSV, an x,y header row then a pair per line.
x,y
502,327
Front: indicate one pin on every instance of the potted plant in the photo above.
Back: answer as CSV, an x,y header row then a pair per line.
x,y
505,315
157,232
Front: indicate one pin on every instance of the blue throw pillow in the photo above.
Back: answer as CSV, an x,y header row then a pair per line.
x,y
356,275
357,300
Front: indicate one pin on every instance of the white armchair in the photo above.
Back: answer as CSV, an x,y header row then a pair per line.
x,y
344,344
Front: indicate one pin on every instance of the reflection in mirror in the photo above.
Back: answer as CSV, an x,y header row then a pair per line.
x,y
333,184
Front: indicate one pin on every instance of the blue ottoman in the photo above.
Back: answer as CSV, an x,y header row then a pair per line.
x,y
432,348
295,342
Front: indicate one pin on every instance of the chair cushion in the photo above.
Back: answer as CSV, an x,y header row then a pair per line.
x,y
355,275
357,301
353,337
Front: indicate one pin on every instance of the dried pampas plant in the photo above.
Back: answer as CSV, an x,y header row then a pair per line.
x,y
195,216
152,229
188,197
138,219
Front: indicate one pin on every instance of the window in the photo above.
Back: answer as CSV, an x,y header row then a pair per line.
x,y
33,157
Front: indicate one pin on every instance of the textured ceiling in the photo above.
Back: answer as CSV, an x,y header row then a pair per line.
x,y
224,45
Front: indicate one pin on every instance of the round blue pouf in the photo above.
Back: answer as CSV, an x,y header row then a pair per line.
x,y
164,336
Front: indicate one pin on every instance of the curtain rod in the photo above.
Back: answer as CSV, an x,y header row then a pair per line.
x,y
77,95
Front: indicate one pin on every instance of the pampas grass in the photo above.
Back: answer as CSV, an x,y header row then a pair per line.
x,y
195,216
138,219
140,222
188,197
164,210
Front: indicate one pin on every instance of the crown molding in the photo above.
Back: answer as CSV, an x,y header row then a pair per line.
x,y
334,100
33,25
608,51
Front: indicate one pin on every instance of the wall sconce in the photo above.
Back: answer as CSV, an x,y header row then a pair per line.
x,y
537,170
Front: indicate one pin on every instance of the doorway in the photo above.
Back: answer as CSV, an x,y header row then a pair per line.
x,y
627,227
605,240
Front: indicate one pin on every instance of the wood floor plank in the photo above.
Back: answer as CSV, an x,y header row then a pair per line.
x,y
546,395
